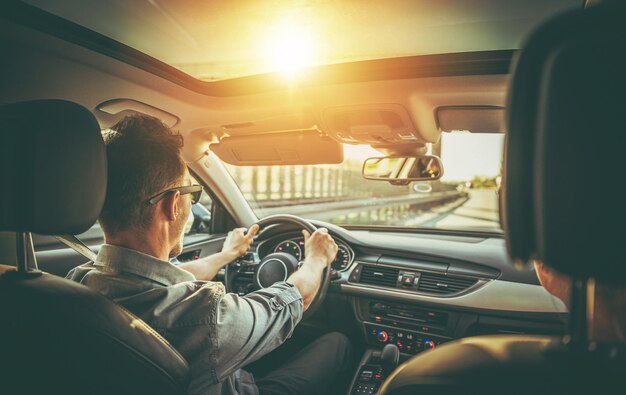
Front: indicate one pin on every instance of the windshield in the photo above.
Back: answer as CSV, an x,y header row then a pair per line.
x,y
466,197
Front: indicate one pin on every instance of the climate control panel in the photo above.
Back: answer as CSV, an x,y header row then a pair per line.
x,y
409,342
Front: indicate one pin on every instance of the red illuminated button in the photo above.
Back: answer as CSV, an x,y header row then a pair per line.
x,y
382,336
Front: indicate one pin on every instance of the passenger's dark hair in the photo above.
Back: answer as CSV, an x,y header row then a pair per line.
x,y
144,158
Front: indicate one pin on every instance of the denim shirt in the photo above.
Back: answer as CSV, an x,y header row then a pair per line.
x,y
217,332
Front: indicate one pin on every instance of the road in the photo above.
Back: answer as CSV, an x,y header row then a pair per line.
x,y
477,211
446,210
329,210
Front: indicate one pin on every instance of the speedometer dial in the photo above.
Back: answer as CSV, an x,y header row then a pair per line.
x,y
290,247
342,260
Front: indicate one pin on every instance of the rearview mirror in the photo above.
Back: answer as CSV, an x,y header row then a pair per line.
x,y
402,169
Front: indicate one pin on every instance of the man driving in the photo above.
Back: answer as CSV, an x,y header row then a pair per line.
x,y
148,202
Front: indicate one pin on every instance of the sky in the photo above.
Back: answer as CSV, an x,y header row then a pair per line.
x,y
465,155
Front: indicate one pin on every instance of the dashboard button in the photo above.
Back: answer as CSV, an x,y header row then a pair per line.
x,y
428,344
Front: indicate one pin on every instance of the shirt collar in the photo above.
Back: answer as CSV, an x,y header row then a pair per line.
x,y
120,259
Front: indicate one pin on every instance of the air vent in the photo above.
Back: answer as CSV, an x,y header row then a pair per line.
x,y
379,275
442,284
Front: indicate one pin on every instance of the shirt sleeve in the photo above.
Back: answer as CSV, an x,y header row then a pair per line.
x,y
251,326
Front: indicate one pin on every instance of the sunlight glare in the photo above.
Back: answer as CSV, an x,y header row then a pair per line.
x,y
466,155
359,152
290,46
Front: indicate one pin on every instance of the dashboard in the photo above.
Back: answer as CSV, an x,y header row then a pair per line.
x,y
450,270
421,290
295,247
415,290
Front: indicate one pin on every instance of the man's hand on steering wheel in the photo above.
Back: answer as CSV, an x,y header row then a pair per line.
x,y
312,278
320,250
319,246
238,242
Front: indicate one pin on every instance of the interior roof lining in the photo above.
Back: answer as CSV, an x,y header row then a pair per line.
x,y
452,64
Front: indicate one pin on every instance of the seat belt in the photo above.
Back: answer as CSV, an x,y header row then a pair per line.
x,y
74,243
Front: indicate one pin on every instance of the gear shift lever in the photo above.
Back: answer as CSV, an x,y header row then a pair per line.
x,y
390,355
371,374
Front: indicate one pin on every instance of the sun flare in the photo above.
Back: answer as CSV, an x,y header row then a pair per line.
x,y
290,46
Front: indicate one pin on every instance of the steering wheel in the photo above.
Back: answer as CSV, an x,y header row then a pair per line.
x,y
276,266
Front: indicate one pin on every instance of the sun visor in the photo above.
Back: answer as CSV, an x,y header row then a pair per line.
x,y
308,147
476,119
378,124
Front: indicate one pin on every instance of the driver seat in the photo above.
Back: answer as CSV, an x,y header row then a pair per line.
x,y
57,336
563,161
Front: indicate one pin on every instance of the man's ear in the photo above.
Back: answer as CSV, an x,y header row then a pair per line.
x,y
170,205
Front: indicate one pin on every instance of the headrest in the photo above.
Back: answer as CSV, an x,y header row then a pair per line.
x,y
564,163
53,167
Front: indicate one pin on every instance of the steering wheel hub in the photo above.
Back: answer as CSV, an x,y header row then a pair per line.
x,y
274,268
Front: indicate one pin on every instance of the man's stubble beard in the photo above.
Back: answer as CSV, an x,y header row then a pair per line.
x,y
180,227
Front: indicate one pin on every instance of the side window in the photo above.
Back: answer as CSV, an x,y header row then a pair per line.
x,y
93,234
199,221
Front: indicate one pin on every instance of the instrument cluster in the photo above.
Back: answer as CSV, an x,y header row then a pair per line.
x,y
295,247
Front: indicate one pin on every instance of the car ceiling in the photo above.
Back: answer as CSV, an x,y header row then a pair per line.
x,y
44,66
224,39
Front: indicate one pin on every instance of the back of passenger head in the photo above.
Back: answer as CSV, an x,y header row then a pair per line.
x,y
564,155
57,336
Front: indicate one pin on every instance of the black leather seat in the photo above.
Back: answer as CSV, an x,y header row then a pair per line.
x,y
564,166
57,336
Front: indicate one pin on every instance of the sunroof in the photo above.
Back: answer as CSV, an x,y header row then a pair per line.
x,y
223,39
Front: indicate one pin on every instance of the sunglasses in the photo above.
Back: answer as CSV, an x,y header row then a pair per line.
x,y
194,190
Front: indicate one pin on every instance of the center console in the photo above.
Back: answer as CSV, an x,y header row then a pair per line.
x,y
414,329
410,328
375,367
